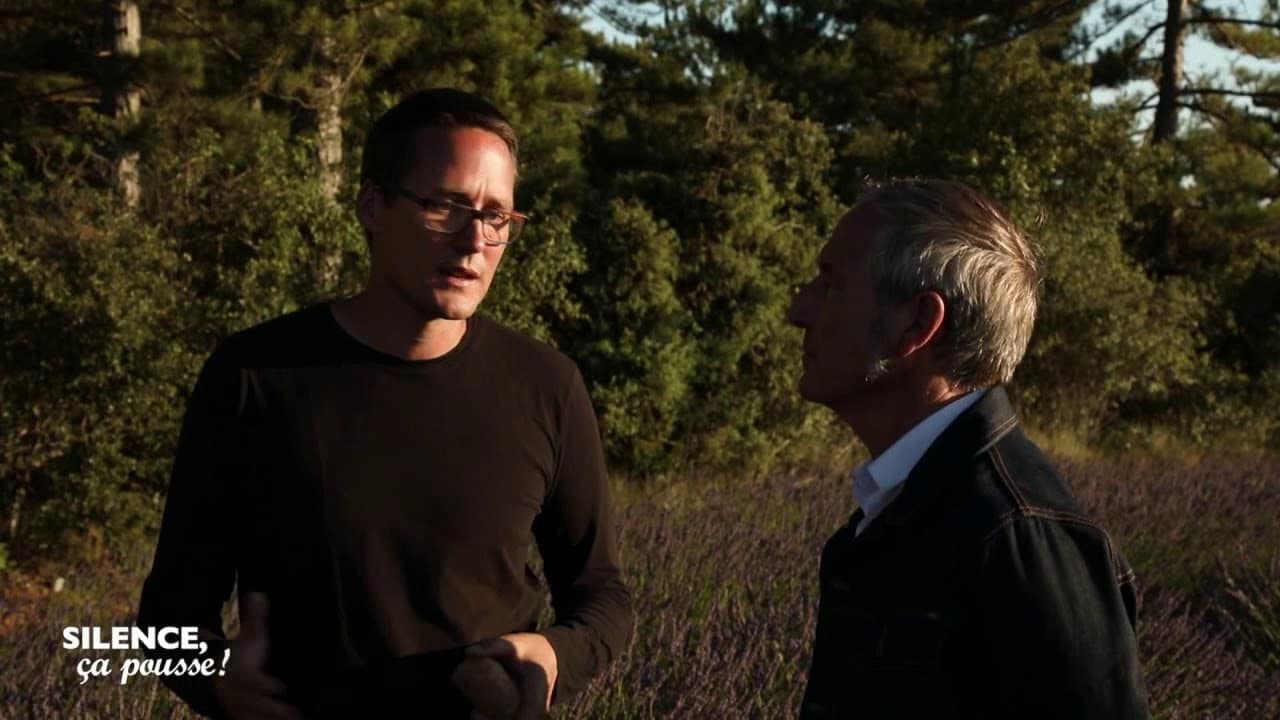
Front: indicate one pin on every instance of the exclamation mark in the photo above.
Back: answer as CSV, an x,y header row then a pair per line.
x,y
226,655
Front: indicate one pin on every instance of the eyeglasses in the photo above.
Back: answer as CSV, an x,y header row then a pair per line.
x,y
500,227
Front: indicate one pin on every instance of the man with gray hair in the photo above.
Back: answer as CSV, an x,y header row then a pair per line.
x,y
969,582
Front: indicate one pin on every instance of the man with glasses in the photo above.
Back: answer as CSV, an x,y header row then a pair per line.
x,y
371,473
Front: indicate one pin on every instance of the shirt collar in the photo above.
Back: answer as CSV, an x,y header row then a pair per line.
x,y
876,483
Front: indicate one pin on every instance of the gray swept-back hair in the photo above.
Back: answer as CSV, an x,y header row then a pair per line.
x,y
949,238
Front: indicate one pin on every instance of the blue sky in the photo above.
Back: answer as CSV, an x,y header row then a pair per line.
x,y
1202,57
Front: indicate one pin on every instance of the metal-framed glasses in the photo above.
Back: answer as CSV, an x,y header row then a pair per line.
x,y
499,227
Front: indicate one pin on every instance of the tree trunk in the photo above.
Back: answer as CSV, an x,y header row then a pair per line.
x,y
1164,127
329,97
15,512
121,99
330,91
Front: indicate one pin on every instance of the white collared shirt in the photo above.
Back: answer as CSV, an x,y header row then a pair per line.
x,y
877,483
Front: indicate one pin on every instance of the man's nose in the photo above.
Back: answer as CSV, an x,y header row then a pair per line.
x,y
470,239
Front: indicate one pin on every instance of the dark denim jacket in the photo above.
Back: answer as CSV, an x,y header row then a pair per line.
x,y
983,590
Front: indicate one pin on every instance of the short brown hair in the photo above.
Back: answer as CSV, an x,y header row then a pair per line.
x,y
949,238
389,148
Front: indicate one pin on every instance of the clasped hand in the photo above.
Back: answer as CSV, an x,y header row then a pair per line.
x,y
509,678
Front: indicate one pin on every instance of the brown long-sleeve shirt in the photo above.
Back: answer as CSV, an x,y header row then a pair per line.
x,y
387,508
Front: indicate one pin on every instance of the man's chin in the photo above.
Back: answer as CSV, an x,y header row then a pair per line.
x,y
827,394
457,313
450,306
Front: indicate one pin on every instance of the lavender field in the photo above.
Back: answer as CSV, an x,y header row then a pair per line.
x,y
725,583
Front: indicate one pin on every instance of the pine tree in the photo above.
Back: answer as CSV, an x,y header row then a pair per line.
x,y
1215,221
868,71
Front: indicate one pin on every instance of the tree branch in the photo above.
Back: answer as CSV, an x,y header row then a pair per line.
x,y
1126,15
1034,22
355,68
208,34
1123,18
74,99
1197,107
1243,115
1274,162
377,4
1132,48
1211,20
1265,95
41,15
70,93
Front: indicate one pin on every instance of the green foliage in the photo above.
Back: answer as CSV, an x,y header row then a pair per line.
x,y
1228,247
100,335
712,212
684,178
641,353
1108,336
254,232
90,388
1215,184
49,58
873,74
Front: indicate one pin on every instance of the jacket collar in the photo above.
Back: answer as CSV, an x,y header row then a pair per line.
x,y
971,434
877,481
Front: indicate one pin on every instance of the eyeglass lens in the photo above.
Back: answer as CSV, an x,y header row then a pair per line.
x,y
453,218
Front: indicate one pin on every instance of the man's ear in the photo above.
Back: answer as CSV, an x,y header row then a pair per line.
x,y
370,206
921,320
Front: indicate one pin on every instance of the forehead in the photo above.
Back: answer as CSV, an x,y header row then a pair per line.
x,y
453,154
851,240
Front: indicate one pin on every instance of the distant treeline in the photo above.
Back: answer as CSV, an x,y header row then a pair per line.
x,y
175,170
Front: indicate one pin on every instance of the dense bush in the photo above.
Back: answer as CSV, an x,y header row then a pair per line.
x,y
694,249
107,313
685,172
